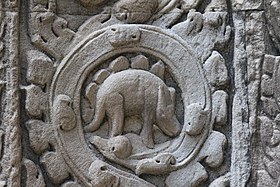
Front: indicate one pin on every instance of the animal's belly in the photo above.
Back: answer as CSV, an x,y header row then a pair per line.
x,y
135,104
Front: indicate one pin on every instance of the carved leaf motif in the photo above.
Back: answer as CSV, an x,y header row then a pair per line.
x,y
220,107
190,176
271,148
166,20
34,175
266,128
204,32
269,64
51,161
40,135
270,106
267,88
50,33
216,70
36,101
213,148
40,68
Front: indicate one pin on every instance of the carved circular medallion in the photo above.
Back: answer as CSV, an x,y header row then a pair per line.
x,y
116,90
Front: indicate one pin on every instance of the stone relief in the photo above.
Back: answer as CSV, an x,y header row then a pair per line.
x,y
145,106
269,127
139,93
268,173
272,15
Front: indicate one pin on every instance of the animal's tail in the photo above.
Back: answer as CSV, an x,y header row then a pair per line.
x,y
98,117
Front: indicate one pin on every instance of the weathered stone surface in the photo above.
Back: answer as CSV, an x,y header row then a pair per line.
x,y
220,112
36,101
139,93
34,175
40,69
216,70
247,5
241,131
121,63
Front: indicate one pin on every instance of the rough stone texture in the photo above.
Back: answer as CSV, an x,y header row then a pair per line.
x,y
140,93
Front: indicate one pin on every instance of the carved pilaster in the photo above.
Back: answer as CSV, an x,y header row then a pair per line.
x,y
10,123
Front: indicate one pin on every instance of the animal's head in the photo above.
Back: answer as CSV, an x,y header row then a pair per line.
x,y
135,11
123,35
115,147
196,118
166,118
160,164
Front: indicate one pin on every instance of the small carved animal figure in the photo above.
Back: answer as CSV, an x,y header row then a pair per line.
x,y
160,164
136,92
100,176
135,11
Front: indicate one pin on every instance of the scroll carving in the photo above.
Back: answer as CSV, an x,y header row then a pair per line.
x,y
48,31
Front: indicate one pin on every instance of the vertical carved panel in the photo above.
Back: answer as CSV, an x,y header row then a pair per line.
x,y
268,171
10,122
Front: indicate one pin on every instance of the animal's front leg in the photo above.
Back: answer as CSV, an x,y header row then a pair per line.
x,y
115,112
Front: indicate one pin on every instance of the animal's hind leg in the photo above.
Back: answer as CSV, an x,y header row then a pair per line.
x,y
115,112
147,130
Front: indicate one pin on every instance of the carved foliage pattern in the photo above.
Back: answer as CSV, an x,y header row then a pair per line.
x,y
269,165
269,123
55,114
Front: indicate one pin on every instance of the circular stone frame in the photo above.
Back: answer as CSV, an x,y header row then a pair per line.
x,y
180,59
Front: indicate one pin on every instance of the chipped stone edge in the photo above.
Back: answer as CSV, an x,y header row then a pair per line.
x,y
249,50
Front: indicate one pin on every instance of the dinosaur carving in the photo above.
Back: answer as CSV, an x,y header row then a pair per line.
x,y
136,92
